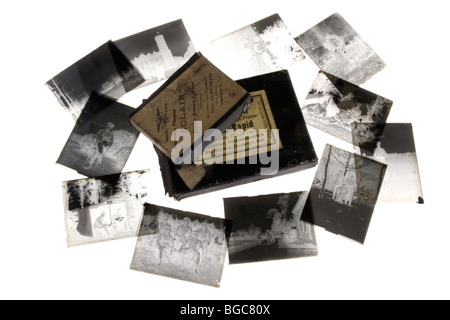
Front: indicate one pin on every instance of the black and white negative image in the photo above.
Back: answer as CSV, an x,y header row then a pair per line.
x,y
106,70
262,47
269,228
344,193
392,144
333,104
97,211
338,49
181,245
158,52
101,140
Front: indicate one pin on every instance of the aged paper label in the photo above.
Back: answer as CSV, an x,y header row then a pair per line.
x,y
200,93
246,140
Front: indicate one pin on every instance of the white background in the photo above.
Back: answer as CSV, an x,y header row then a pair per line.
x,y
406,254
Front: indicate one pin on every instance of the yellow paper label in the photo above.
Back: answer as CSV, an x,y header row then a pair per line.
x,y
246,138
